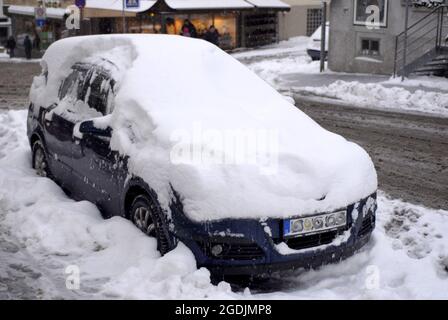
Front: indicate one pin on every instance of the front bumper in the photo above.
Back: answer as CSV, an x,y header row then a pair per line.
x,y
253,247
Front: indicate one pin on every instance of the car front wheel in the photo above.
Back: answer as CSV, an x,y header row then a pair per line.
x,y
148,217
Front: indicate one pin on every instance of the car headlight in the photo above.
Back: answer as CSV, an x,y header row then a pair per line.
x,y
315,224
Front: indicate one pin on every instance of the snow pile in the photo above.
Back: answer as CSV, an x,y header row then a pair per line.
x,y
407,257
162,103
433,83
375,95
273,61
115,259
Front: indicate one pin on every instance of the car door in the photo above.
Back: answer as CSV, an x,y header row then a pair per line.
x,y
101,171
58,131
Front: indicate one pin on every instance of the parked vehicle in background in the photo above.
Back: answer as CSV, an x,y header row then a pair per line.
x,y
314,44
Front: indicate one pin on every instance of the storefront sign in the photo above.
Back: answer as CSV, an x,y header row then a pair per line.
x,y
132,4
40,14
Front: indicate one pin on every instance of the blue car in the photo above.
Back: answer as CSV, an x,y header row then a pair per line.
x,y
141,126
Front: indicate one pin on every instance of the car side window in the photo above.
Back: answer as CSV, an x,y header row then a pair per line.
x,y
73,85
69,85
99,91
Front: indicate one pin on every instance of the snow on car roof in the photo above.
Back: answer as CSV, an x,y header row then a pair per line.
x,y
190,116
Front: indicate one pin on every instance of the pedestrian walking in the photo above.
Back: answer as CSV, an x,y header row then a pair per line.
x,y
28,45
11,46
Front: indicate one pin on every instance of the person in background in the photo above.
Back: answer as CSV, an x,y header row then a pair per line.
x,y
11,46
212,35
185,32
28,47
191,29
36,42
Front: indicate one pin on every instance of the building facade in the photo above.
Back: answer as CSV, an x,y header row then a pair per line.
x,y
5,26
357,46
240,23
303,19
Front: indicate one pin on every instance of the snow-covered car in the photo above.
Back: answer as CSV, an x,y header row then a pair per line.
x,y
314,44
140,126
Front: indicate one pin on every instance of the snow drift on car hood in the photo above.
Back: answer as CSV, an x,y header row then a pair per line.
x,y
190,116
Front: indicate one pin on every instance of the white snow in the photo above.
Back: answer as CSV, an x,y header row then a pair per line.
x,y
117,5
189,110
269,4
376,95
425,82
53,13
274,61
407,257
278,64
207,4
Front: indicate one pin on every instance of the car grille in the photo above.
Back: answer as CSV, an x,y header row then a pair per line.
x,y
367,226
233,251
310,241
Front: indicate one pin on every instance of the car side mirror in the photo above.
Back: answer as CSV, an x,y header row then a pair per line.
x,y
88,127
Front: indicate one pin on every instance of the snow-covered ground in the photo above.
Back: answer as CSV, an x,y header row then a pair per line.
x,y
46,237
376,95
5,58
280,64
274,61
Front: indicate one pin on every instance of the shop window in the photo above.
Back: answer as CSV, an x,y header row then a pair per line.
x,y
201,22
313,20
260,29
224,23
226,26
364,9
370,47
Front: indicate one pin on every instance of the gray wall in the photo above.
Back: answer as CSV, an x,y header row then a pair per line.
x,y
294,22
345,38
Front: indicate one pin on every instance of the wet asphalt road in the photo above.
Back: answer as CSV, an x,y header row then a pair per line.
x,y
410,152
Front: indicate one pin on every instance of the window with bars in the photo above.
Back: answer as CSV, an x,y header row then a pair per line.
x,y
313,20
370,47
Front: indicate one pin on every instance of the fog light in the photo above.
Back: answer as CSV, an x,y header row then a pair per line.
x,y
216,250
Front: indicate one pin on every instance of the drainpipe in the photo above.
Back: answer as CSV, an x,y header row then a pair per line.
x,y
323,36
123,17
406,24
1,9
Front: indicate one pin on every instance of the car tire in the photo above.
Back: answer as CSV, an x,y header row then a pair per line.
x,y
147,216
40,160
